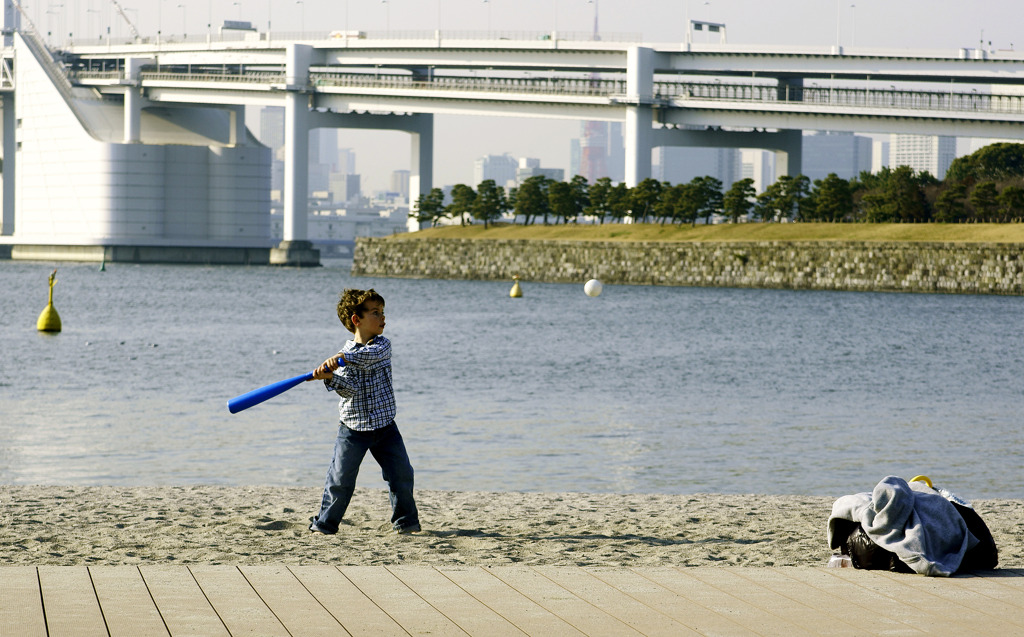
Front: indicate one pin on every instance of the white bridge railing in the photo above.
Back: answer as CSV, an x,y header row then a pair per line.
x,y
666,93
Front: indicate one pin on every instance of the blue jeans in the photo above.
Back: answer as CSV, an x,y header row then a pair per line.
x,y
388,449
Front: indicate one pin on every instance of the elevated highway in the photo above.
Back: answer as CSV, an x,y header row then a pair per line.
x,y
667,95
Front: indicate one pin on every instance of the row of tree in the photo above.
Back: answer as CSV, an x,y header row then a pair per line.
x,y
987,186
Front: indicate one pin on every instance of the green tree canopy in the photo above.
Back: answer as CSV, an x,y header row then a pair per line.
x,y
462,202
532,199
561,201
899,198
644,197
1011,204
739,199
619,201
951,204
599,199
833,200
984,200
995,162
429,207
490,203
709,194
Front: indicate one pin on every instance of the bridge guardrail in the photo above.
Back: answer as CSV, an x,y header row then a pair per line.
x,y
892,98
664,92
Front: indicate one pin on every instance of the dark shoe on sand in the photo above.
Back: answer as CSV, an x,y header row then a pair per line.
x,y
316,528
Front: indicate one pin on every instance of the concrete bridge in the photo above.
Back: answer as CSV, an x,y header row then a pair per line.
x,y
667,95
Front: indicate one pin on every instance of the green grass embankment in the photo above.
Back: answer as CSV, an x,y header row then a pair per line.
x,y
925,232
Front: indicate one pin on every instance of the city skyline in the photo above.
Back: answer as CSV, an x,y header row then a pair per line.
x,y
919,24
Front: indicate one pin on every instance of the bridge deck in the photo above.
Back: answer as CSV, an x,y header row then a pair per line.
x,y
327,600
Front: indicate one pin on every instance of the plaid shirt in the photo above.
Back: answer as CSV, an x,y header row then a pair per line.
x,y
364,384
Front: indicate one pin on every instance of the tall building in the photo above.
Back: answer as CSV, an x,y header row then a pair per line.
x,y
530,167
345,188
347,161
845,154
272,126
616,152
400,183
323,157
879,155
500,168
574,156
923,153
759,165
679,165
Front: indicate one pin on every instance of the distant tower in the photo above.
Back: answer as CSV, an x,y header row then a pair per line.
x,y
594,150
594,138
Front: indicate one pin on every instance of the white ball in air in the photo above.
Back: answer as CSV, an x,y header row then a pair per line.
x,y
592,287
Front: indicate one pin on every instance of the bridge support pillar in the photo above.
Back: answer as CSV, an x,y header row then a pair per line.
x,y
421,171
7,220
133,101
639,115
296,249
638,134
789,153
236,115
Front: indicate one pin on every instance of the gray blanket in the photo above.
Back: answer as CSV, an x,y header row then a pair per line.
x,y
911,520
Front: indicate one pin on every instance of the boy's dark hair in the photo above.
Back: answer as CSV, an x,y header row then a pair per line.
x,y
352,302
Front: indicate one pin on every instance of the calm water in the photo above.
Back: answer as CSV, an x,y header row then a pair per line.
x,y
644,389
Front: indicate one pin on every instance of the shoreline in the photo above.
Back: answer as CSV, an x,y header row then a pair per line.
x,y
69,526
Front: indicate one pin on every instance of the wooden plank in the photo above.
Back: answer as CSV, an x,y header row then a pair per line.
x,y
125,601
412,613
70,603
687,583
520,610
835,612
290,601
237,604
902,586
585,585
21,605
992,588
356,612
453,602
847,584
580,613
956,599
812,621
182,604
641,584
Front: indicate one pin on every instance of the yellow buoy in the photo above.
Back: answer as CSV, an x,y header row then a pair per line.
x,y
49,320
516,291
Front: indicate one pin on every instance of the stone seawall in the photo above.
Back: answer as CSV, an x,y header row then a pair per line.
x,y
965,268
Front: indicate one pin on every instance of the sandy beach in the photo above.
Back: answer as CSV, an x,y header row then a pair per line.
x,y
251,525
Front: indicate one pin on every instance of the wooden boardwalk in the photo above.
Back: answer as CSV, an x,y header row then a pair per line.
x,y
546,600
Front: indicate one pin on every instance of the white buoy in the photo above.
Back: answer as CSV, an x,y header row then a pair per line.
x,y
592,287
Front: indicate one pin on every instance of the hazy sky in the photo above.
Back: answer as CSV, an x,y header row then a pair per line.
x,y
927,24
